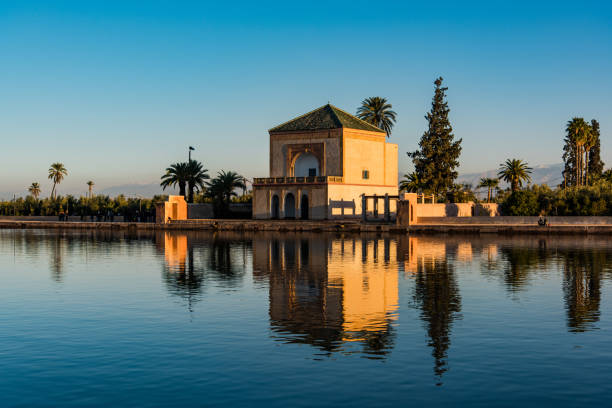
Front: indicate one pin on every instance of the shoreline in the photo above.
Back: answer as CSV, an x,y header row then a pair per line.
x,y
314,226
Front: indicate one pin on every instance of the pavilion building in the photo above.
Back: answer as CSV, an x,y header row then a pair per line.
x,y
321,164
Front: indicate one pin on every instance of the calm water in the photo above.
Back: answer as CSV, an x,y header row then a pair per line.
x,y
167,319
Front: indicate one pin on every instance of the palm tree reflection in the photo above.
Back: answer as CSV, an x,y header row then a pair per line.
x,y
582,289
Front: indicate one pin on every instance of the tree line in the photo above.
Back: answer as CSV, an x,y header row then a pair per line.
x,y
585,190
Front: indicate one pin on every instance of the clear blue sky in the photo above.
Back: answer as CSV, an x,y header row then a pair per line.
x,y
118,90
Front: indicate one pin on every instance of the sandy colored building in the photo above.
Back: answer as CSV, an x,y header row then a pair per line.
x,y
321,164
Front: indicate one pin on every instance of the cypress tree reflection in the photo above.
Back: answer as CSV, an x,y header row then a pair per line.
x,y
437,295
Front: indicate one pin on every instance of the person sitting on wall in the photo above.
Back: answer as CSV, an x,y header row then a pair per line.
x,y
542,221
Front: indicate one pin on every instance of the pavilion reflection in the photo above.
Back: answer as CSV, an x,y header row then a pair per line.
x,y
430,262
329,292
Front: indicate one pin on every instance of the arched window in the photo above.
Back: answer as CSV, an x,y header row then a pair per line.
x,y
306,165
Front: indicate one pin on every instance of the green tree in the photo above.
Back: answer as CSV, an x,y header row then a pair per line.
x,y
176,174
90,185
57,171
514,171
438,153
596,165
34,189
378,112
521,203
222,188
197,176
410,183
578,141
489,184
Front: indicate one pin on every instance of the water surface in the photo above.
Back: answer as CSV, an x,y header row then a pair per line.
x,y
95,318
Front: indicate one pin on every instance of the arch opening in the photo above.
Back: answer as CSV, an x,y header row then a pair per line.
x,y
275,209
289,206
304,207
306,165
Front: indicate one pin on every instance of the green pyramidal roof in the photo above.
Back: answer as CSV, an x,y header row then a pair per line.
x,y
325,117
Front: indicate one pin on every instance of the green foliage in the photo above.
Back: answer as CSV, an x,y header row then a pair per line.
x,y
57,171
222,188
438,155
378,112
489,184
176,174
581,152
411,183
594,200
595,165
521,202
515,172
190,177
460,193
83,206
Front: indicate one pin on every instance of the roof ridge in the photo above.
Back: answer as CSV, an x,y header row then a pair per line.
x,y
356,117
327,116
298,117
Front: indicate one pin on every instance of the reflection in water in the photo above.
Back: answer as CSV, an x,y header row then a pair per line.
x,y
191,260
436,292
340,294
582,289
329,292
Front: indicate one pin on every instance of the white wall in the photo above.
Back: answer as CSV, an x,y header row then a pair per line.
x,y
304,162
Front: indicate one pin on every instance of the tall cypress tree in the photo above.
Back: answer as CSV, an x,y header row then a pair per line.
x,y
438,153
595,164
569,159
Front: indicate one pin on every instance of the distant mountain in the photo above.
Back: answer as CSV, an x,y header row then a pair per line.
x,y
549,174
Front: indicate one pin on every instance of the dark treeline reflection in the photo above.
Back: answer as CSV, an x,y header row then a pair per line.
x,y
62,246
194,260
330,292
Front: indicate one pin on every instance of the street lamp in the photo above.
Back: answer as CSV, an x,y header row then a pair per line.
x,y
190,149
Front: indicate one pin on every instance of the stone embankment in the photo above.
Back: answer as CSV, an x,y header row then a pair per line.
x,y
319,226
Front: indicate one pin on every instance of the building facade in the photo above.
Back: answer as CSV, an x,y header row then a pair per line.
x,y
321,164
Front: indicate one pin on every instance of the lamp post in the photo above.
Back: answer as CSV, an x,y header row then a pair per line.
x,y
190,149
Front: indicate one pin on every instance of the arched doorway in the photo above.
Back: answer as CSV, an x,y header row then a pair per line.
x,y
275,207
289,206
304,207
306,165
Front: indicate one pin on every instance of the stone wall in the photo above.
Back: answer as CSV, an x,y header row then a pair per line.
x,y
505,220
410,211
203,211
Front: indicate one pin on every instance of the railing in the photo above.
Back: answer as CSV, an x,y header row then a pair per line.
x,y
298,180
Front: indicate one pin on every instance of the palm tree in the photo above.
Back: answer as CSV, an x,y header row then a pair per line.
x,y
196,178
377,111
222,188
514,171
489,184
579,133
177,173
590,139
411,183
34,189
57,171
90,185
